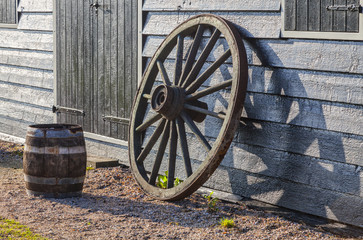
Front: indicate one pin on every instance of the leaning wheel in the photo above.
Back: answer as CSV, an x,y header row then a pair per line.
x,y
187,107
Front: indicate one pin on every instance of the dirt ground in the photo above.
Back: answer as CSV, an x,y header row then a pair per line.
x,y
113,207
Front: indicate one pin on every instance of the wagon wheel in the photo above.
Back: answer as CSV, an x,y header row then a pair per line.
x,y
178,96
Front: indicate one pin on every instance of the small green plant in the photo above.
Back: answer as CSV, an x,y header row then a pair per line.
x,y
227,223
10,229
90,168
163,181
211,202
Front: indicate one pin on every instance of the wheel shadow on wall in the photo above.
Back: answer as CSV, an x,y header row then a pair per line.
x,y
283,152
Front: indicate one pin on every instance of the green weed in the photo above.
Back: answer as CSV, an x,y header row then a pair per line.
x,y
211,202
10,229
227,223
163,181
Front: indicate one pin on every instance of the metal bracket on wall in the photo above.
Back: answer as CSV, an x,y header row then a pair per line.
x,y
60,109
351,8
125,121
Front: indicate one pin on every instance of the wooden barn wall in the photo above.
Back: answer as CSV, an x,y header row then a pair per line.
x,y
301,146
26,69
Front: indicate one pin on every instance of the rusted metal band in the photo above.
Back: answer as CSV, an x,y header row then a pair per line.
x,y
54,150
54,195
52,180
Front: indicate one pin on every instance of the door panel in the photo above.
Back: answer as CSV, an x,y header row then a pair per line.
x,y
96,62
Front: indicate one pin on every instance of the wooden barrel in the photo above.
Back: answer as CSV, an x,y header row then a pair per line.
x,y
54,160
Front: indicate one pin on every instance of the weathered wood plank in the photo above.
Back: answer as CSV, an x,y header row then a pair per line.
x,y
251,24
352,24
26,112
205,5
332,87
304,112
12,38
7,12
301,15
27,76
339,17
35,6
290,15
36,21
314,11
326,16
26,58
14,127
30,95
299,54
334,176
333,146
301,197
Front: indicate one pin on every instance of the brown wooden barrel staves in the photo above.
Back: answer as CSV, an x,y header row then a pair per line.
x,y
54,160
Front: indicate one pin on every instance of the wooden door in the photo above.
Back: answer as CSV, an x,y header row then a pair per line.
x,y
96,64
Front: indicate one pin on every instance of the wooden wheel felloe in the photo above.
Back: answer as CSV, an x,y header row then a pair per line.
x,y
188,106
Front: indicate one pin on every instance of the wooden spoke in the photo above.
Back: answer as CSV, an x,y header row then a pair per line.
x,y
148,123
172,154
202,58
179,60
164,74
176,104
195,130
204,111
184,146
209,90
160,154
150,144
192,54
207,73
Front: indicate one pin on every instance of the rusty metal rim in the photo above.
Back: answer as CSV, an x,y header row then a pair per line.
x,y
226,134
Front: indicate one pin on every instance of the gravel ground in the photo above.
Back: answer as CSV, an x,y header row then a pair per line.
x,y
113,207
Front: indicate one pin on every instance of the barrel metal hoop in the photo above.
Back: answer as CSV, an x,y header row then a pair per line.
x,y
55,150
53,181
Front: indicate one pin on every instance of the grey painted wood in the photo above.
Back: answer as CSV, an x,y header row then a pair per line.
x,y
36,6
8,11
296,54
312,15
202,5
36,22
27,58
251,24
290,15
302,15
98,72
332,87
301,197
26,94
326,16
26,76
314,10
352,22
339,17
26,39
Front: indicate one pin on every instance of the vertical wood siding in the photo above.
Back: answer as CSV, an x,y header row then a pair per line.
x,y
97,62
300,144
8,12
313,15
26,67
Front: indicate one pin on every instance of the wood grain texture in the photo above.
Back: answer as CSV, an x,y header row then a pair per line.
x,y
301,197
26,76
205,5
27,58
36,22
38,6
251,24
297,54
11,38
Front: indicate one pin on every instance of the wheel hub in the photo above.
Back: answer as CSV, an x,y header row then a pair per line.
x,y
168,101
